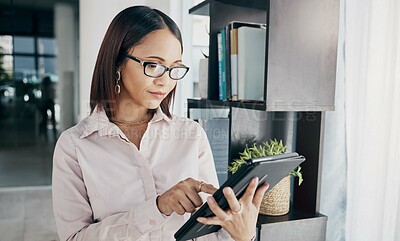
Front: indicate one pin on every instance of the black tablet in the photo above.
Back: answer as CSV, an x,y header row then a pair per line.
x,y
270,169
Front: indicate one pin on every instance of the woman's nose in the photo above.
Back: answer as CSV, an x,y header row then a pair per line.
x,y
163,80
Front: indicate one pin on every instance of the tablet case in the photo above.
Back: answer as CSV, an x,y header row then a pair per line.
x,y
270,169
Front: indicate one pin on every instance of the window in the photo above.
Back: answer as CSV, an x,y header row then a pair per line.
x,y
28,123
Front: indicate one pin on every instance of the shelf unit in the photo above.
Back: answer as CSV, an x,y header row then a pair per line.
x,y
301,132
299,82
301,46
203,103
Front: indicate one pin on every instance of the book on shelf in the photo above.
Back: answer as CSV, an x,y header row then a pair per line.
x,y
251,63
233,55
219,46
221,65
227,48
228,54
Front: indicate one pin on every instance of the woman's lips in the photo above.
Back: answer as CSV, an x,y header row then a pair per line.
x,y
158,94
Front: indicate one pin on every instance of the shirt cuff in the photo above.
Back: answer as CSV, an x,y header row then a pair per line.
x,y
224,235
146,217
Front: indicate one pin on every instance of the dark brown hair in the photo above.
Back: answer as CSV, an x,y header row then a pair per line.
x,y
126,30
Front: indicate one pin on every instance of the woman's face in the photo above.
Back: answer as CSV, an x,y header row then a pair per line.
x,y
139,90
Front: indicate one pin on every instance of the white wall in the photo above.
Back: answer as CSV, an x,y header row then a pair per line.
x,y
67,41
178,10
94,18
185,22
163,5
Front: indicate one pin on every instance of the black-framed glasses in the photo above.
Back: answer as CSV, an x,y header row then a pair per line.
x,y
156,70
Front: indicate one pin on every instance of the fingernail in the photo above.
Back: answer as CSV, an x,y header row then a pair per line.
x,y
227,191
210,200
200,220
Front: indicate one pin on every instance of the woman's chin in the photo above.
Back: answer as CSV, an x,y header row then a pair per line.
x,y
153,104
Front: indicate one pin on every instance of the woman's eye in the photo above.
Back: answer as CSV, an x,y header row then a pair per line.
x,y
152,66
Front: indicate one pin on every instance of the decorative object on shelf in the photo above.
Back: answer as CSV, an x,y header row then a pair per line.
x,y
276,201
203,77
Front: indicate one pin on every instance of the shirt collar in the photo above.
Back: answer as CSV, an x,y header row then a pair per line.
x,y
160,115
98,121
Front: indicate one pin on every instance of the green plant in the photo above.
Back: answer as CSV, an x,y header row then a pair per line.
x,y
268,148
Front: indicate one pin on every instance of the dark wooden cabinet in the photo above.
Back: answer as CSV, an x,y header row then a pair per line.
x,y
299,84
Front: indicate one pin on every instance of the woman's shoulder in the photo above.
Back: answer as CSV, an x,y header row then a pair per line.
x,y
175,121
185,122
80,129
186,125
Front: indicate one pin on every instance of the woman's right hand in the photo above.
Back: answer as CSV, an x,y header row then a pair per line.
x,y
183,197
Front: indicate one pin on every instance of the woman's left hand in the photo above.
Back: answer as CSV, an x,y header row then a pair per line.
x,y
241,217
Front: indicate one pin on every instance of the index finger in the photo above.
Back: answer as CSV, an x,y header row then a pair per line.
x,y
250,190
208,188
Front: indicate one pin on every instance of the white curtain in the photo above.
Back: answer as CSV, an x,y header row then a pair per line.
x,y
372,114
360,190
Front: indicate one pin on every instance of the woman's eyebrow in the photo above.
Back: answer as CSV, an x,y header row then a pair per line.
x,y
163,60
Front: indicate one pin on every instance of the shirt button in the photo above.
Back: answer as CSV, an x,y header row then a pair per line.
x,y
152,222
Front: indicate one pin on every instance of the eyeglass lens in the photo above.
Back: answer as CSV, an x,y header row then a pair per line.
x,y
177,72
156,70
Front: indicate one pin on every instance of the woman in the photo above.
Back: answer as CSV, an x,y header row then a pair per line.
x,y
131,170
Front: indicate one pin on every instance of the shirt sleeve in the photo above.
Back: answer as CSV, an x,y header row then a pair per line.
x,y
208,174
72,210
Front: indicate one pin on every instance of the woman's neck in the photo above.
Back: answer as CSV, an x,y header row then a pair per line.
x,y
130,112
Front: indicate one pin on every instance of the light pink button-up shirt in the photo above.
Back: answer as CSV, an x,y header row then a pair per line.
x,y
104,188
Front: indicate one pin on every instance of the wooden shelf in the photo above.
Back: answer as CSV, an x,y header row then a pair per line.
x,y
205,103
291,216
202,8
294,226
246,3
